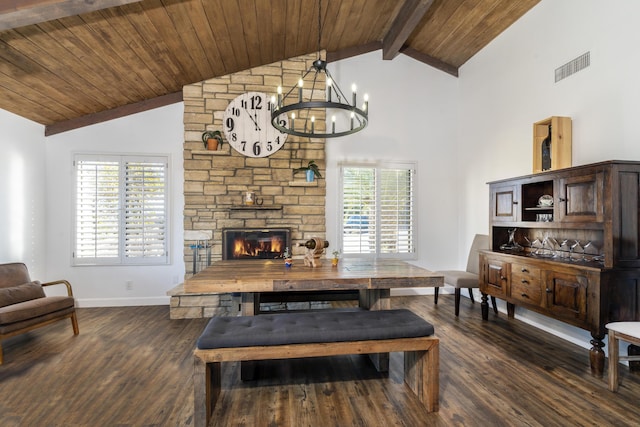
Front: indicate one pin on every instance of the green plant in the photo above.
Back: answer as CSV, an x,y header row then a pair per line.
x,y
335,254
211,134
312,166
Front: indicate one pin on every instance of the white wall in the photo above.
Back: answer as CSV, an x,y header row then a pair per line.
x,y
412,117
22,193
158,131
510,85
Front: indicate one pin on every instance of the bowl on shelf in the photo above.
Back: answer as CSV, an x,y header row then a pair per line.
x,y
545,201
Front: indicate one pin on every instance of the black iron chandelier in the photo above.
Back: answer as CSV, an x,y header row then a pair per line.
x,y
324,100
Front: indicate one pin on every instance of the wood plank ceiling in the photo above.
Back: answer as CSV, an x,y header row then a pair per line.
x,y
69,63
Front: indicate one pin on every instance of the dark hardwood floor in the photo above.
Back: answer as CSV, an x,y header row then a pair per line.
x,y
132,367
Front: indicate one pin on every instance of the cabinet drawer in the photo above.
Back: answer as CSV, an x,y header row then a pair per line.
x,y
526,289
526,270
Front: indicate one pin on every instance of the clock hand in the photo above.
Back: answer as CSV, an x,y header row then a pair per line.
x,y
252,119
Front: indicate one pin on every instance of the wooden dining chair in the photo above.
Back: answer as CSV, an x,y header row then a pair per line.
x,y
625,331
468,278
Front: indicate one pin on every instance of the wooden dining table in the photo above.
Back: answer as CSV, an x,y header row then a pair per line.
x,y
373,278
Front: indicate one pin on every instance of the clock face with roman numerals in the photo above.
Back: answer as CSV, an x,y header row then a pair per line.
x,y
248,128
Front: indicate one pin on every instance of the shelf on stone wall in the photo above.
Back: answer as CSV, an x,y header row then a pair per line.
x,y
222,152
256,208
303,184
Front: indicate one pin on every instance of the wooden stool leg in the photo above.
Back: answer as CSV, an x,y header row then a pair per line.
x,y
473,301
457,296
436,291
613,361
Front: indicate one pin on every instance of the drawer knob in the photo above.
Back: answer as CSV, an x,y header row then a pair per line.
x,y
548,290
503,278
523,295
524,281
524,270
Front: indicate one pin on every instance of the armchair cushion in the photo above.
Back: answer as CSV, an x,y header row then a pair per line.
x,y
34,308
17,294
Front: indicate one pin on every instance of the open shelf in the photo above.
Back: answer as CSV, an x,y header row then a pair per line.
x,y
256,208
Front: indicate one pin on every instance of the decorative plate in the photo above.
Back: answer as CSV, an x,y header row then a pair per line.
x,y
545,200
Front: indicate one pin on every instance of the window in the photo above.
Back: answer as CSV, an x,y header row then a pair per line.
x,y
378,210
120,210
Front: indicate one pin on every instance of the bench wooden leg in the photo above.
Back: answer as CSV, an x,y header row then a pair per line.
x,y
206,387
422,375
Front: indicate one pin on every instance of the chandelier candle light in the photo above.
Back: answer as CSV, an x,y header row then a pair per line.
x,y
327,101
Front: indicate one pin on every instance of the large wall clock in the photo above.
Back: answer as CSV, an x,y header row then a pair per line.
x,y
248,128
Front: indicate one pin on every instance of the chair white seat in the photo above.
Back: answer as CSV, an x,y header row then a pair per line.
x,y
625,331
460,279
468,278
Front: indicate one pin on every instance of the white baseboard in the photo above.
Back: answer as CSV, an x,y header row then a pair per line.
x,y
407,292
121,302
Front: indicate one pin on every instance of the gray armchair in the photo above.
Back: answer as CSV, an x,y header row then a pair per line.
x,y
468,278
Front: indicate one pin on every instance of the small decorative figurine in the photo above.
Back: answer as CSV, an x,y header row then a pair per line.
x,y
288,261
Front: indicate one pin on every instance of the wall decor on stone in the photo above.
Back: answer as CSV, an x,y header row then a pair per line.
x,y
215,181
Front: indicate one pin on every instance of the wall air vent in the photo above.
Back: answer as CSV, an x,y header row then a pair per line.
x,y
573,66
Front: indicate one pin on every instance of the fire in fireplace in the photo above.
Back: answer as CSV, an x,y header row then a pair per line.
x,y
250,243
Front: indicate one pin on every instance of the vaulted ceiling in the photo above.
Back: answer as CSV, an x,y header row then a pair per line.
x,y
70,63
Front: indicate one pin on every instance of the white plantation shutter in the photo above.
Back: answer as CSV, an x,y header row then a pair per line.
x,y
359,210
396,211
145,210
97,209
121,210
378,210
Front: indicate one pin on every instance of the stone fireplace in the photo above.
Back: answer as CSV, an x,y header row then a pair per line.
x,y
215,181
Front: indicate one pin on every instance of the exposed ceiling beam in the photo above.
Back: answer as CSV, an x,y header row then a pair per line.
x,y
353,51
411,12
114,113
430,60
18,13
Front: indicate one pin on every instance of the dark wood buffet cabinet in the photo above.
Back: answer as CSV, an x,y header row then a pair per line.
x,y
574,254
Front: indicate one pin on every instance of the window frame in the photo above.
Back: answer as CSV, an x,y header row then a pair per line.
x,y
378,167
122,259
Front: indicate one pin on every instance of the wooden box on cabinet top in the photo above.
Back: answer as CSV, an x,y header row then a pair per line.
x,y
560,142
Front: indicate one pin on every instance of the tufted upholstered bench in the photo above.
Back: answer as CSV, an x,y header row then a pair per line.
x,y
314,334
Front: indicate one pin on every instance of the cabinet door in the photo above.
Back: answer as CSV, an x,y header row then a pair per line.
x,y
495,277
526,285
567,296
581,198
504,203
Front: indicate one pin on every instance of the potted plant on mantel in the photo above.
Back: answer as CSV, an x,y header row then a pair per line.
x,y
311,170
212,139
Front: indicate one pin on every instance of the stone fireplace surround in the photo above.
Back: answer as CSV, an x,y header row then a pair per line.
x,y
214,181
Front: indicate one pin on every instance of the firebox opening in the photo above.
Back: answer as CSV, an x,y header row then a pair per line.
x,y
255,243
